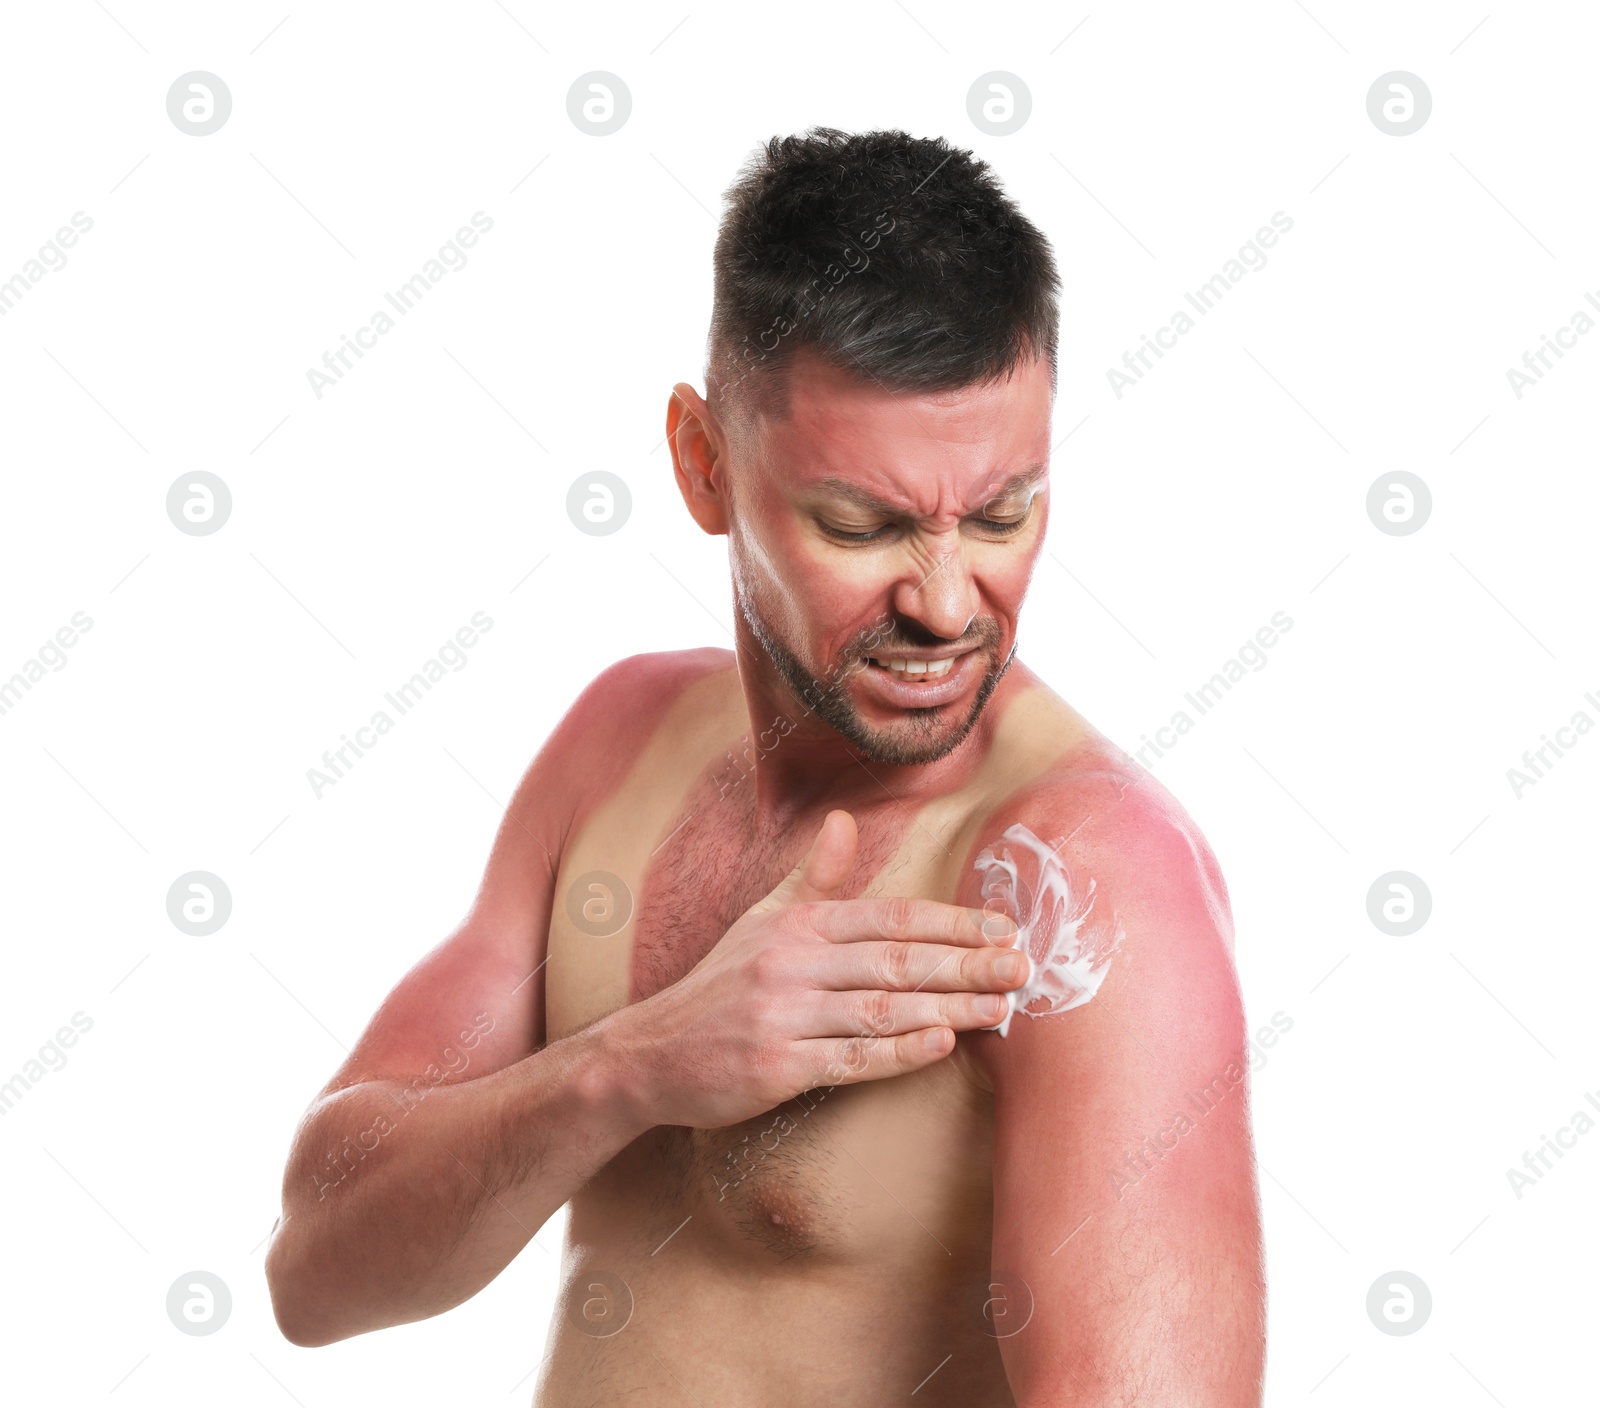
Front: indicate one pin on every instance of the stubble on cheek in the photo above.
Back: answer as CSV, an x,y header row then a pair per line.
x,y
788,591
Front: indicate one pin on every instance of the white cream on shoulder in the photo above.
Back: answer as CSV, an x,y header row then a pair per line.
x,y
1068,946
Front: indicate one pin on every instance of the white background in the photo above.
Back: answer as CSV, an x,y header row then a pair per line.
x,y
370,524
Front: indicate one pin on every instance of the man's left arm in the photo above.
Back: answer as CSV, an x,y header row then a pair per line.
x,y
1125,1205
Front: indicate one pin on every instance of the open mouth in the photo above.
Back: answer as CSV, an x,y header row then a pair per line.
x,y
906,669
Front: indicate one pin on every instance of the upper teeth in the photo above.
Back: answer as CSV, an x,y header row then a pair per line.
x,y
918,667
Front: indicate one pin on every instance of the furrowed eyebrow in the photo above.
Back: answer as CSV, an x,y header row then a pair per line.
x,y
1018,483
860,498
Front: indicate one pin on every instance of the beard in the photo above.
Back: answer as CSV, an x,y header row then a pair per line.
x,y
924,735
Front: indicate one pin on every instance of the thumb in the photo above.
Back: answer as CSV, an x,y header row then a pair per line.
x,y
824,867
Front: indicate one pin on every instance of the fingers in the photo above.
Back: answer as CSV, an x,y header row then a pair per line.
x,y
822,870
863,1012
909,921
830,1061
916,967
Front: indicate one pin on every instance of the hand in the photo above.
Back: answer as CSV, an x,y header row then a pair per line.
x,y
805,990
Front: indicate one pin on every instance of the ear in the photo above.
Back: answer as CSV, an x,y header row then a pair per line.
x,y
698,457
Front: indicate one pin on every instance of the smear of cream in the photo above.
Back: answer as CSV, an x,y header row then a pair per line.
x,y
1068,947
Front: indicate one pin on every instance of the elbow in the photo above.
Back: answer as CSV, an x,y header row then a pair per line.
x,y
300,1319
299,1331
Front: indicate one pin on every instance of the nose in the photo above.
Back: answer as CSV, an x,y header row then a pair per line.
x,y
938,592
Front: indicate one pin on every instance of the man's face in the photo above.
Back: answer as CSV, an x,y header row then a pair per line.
x,y
881,545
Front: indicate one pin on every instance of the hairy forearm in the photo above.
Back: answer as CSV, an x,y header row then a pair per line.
x,y
396,1208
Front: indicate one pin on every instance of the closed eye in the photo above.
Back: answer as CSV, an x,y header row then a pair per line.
x,y
1003,527
882,533
993,528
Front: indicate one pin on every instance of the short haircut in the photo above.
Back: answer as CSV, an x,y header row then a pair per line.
x,y
897,259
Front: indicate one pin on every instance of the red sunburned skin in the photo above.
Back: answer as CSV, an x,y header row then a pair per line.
x,y
922,514
684,786
1069,946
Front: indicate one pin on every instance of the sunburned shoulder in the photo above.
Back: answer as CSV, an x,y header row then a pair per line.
x,y
1104,832
1109,820
624,705
1124,915
1052,773
639,690
616,717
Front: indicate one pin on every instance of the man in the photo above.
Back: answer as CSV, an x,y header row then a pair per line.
x,y
731,985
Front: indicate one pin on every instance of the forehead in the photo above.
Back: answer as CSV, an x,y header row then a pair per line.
x,y
925,452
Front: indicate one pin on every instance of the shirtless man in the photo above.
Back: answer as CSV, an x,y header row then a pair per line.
x,y
730,987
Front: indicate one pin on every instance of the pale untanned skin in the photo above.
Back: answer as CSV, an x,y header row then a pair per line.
x,y
753,1242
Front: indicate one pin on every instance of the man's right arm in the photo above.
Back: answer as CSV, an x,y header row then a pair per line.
x,y
451,1190
452,1133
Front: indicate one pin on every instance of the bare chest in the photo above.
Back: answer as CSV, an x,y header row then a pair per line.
x,y
895,1169
717,862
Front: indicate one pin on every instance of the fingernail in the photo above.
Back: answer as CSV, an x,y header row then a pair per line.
x,y
934,1038
1010,967
998,929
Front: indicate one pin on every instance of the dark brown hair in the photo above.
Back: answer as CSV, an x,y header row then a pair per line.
x,y
898,259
